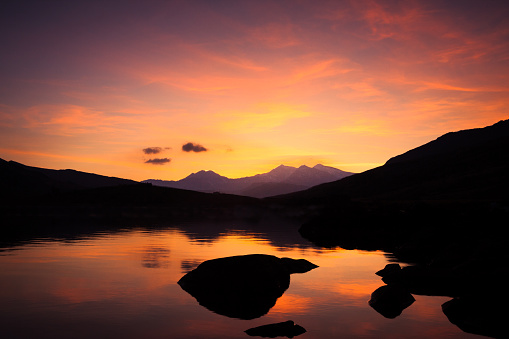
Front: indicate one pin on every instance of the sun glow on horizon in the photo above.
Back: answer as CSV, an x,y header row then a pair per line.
x,y
257,84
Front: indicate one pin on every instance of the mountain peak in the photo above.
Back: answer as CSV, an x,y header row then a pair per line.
x,y
279,173
204,174
283,168
320,166
332,170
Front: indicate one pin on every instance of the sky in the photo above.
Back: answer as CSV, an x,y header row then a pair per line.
x,y
161,89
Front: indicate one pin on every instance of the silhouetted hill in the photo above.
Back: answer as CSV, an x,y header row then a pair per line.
x,y
464,165
143,194
18,180
32,193
457,142
267,189
280,180
119,207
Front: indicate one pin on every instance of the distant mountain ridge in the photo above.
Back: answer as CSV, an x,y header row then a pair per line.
x,y
281,180
469,165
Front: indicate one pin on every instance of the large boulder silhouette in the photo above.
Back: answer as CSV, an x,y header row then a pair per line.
x,y
245,286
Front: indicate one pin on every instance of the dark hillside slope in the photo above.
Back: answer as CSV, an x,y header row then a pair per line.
x,y
117,207
136,201
75,178
267,189
18,181
456,141
465,165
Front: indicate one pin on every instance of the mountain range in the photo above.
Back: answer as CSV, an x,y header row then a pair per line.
x,y
19,181
465,165
281,180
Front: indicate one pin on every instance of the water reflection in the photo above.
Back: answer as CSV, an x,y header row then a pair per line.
x,y
155,257
96,284
473,310
278,233
189,265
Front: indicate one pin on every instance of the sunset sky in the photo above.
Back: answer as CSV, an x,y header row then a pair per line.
x,y
161,89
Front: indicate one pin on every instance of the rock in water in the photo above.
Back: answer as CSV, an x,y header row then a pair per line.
x,y
390,300
388,270
482,314
297,265
245,286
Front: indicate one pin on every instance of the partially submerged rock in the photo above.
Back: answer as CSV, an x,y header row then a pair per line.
x,y
245,286
388,270
284,329
423,280
390,300
297,265
483,315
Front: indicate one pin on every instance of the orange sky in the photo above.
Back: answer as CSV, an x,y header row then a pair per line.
x,y
90,85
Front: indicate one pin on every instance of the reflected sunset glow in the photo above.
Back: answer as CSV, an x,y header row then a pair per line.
x,y
126,284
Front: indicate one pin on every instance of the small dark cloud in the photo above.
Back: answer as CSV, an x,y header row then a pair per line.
x,y
192,147
158,161
152,150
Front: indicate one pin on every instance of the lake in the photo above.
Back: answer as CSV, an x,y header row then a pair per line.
x,y
123,284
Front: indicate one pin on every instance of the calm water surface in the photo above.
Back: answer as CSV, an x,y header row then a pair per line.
x,y
124,285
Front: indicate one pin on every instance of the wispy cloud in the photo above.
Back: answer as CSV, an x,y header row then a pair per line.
x,y
67,120
158,161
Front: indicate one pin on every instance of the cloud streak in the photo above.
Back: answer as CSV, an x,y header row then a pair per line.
x,y
158,161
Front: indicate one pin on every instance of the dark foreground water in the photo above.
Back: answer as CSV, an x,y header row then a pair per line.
x,y
123,284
